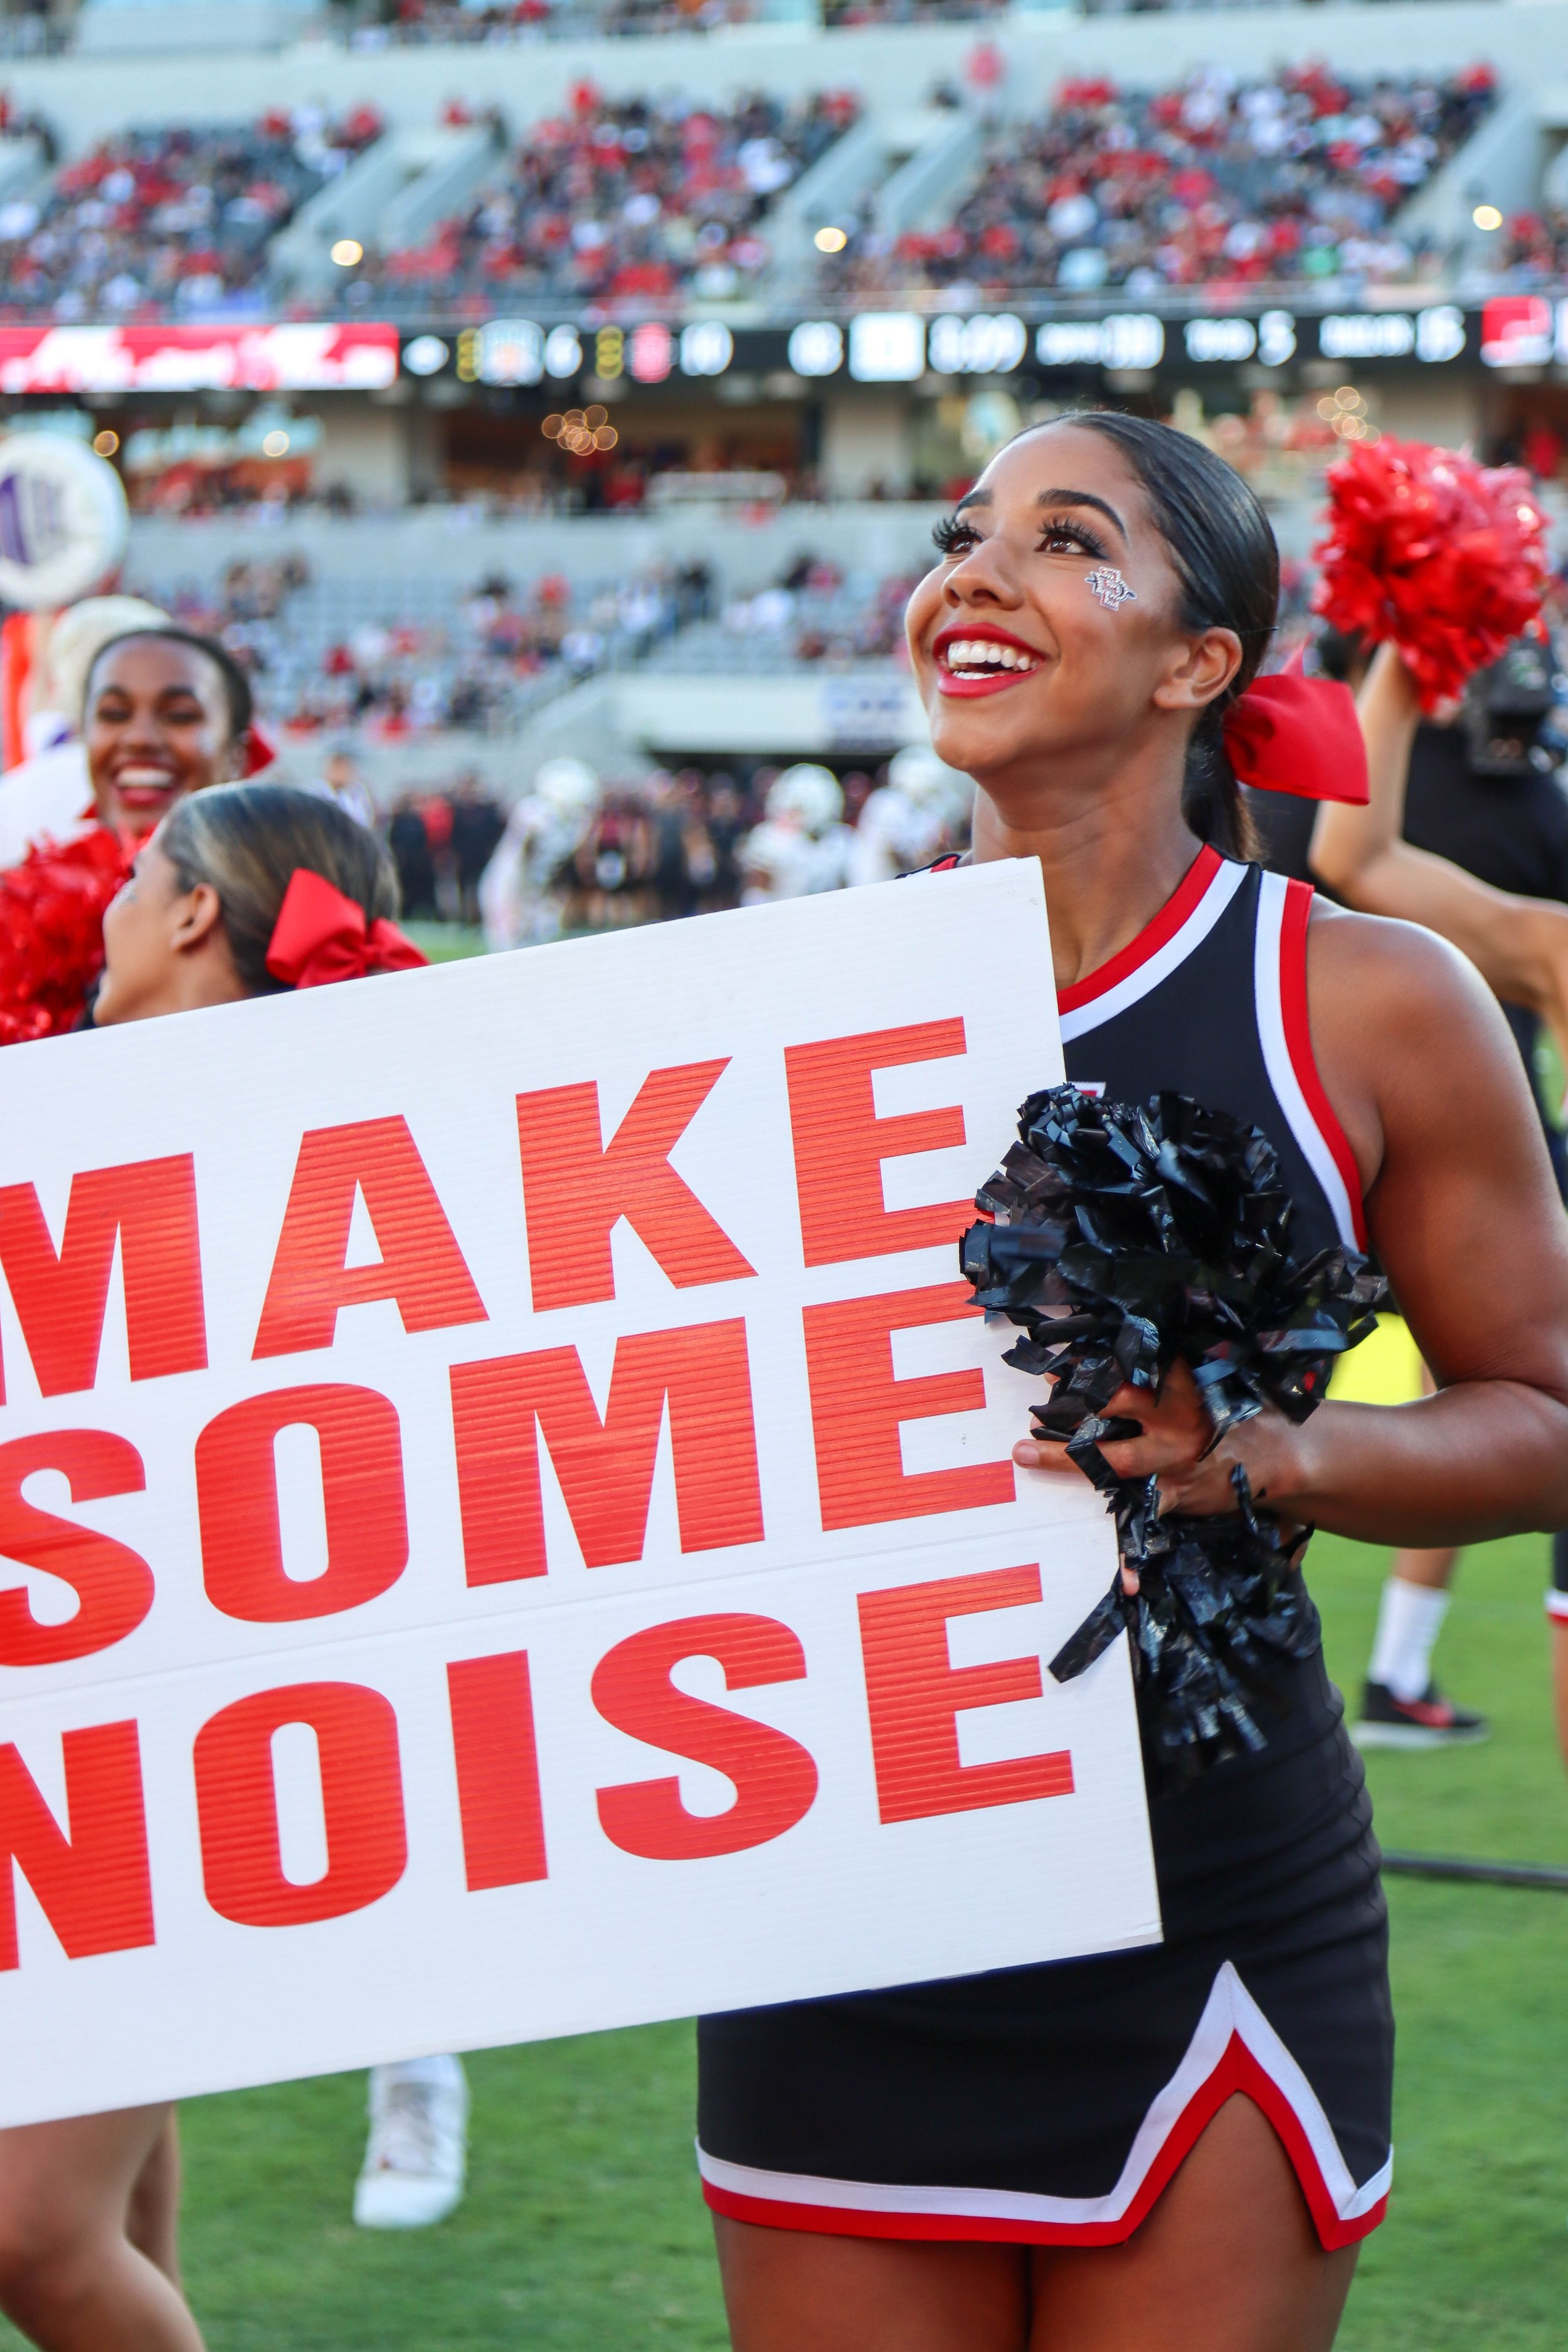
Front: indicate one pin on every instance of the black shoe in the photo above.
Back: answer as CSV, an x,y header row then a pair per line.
x,y
1429,1721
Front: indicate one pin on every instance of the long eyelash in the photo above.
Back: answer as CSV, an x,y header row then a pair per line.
x,y
951,533
1089,541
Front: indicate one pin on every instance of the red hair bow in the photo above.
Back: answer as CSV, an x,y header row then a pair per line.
x,y
1293,734
320,936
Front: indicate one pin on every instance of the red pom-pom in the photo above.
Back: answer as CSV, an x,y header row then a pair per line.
x,y
51,932
1444,558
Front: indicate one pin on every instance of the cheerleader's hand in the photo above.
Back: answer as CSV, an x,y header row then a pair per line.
x,y
1177,1447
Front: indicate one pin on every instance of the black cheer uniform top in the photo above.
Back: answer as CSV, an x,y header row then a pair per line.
x,y
1050,2105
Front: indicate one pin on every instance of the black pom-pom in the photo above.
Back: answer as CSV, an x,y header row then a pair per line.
x,y
1119,1238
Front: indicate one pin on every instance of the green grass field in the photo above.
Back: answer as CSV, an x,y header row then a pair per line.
x,y
583,2230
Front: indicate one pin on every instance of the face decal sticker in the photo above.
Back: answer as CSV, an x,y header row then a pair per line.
x,y
1107,583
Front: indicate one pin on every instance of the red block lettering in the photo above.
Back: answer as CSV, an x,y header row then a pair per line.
x,y
362,1799
60,1300
606,1468
362,1488
840,1144
112,1583
576,1187
94,1884
914,1697
421,1265
857,1407
497,1770
774,1778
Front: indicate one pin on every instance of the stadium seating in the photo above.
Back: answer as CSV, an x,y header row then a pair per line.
x,y
646,197
423,22
1534,248
1299,176
178,219
403,657
816,614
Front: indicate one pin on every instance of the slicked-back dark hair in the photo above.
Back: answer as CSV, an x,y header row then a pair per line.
x,y
247,841
1223,547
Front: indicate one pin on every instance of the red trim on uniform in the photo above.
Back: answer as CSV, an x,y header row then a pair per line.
x,y
1239,2072
945,865
1299,1044
1185,899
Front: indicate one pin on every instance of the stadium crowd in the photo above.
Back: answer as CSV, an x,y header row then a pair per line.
x,y
1534,249
175,219
1217,180
814,612
324,657
415,23
642,196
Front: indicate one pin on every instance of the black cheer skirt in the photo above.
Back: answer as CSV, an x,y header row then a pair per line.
x,y
1051,2105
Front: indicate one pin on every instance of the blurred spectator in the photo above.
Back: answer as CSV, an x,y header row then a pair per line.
x,y
174,219
477,828
918,814
342,782
909,12
637,197
579,855
812,614
801,846
410,840
1217,181
418,21
27,122
1532,250
522,892
726,825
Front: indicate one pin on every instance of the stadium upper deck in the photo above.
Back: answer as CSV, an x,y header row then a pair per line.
x,y
839,260
748,179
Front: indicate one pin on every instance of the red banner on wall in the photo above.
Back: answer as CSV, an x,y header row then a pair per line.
x,y
300,356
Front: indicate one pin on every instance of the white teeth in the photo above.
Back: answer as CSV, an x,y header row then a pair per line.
x,y
984,652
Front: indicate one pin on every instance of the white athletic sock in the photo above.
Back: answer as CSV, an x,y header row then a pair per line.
x,y
1409,1623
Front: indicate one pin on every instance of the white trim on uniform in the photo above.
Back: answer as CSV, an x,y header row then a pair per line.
x,y
1230,2013
1227,880
1282,1069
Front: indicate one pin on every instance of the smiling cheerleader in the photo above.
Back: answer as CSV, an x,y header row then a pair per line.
x,y
1180,2147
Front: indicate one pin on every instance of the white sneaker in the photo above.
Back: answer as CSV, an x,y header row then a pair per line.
x,y
416,2154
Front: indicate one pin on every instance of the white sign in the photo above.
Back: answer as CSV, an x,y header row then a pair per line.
x,y
517,1534
63,519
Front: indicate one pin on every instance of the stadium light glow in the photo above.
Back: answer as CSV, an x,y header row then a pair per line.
x,y
830,240
425,354
707,347
1486,216
887,346
348,253
816,348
